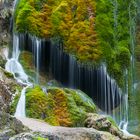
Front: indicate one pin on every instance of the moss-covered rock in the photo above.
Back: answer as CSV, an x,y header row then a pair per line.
x,y
14,104
64,107
8,88
2,62
26,59
103,123
8,74
10,126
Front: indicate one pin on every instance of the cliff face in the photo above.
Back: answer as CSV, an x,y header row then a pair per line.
x,y
5,21
93,31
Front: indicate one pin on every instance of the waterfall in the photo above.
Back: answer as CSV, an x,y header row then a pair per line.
x,y
38,47
36,44
124,106
94,81
13,65
20,110
124,113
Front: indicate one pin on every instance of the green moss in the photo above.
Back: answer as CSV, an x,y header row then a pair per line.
x,y
36,103
40,138
14,104
114,35
8,74
64,20
26,59
64,107
112,122
89,30
81,99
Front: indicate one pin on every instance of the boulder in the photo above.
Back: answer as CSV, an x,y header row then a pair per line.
x,y
105,123
57,106
70,134
10,126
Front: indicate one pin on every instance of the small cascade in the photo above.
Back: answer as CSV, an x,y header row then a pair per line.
x,y
15,3
71,72
20,110
124,114
124,106
36,50
13,66
38,53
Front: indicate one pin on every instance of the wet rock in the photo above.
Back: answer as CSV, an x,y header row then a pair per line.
x,y
34,135
8,89
10,126
104,123
73,134
2,62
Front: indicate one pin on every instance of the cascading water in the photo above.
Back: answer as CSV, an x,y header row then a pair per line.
x,y
124,106
36,50
124,114
66,69
14,67
20,110
94,81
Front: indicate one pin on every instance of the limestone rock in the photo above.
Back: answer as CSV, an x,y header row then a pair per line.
x,y
70,134
9,126
103,123
8,88
5,21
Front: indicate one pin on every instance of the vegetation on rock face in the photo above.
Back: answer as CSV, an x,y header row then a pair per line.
x,y
73,22
26,59
93,31
113,30
134,98
14,104
64,107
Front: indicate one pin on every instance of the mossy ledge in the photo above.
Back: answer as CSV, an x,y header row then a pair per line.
x,y
59,107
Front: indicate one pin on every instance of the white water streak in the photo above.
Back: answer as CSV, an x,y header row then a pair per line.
x,y
13,66
20,110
